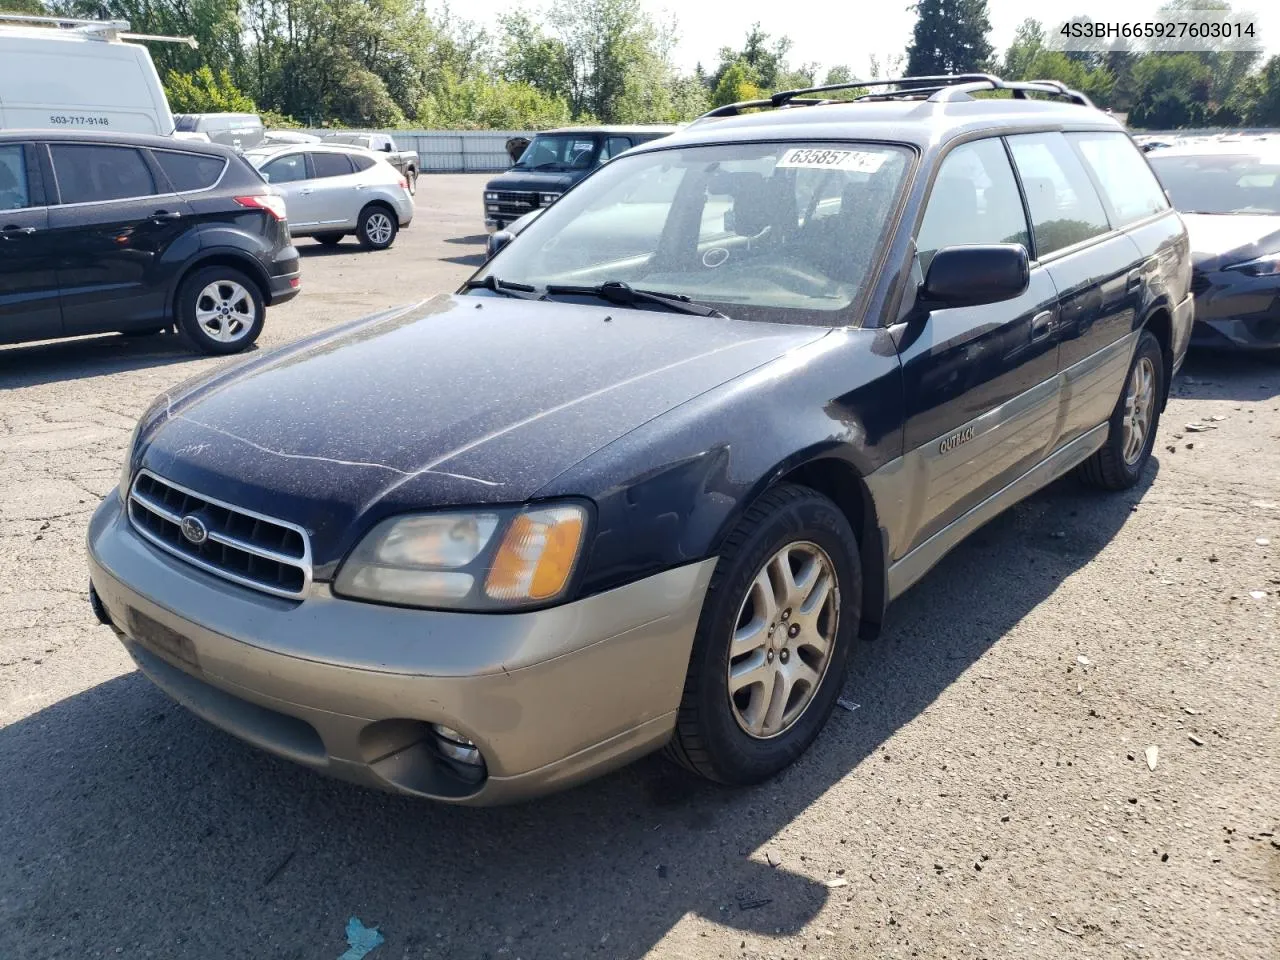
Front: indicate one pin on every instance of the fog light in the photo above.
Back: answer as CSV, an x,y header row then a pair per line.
x,y
455,746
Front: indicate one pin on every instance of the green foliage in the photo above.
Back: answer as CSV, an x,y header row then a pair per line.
x,y
481,102
204,91
736,84
1172,90
950,36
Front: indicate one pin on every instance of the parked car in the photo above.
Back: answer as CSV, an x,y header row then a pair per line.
x,y
611,498
1229,197
243,131
78,75
289,136
406,161
553,162
333,191
117,232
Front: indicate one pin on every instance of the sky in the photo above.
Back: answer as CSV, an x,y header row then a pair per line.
x,y
844,33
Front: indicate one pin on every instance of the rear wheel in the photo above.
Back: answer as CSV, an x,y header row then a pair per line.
x,y
329,239
220,310
1119,462
377,227
772,647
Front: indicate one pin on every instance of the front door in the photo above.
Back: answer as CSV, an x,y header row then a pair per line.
x,y
120,237
288,175
980,382
29,308
334,189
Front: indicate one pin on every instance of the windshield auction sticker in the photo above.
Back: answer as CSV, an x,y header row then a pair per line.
x,y
858,161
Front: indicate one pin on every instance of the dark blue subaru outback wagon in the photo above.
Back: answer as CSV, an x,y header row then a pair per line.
x,y
648,478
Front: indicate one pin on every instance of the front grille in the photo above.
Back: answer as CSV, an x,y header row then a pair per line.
x,y
511,204
1199,283
239,545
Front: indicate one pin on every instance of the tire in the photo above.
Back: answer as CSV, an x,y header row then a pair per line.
x,y
1118,463
329,239
377,227
205,323
411,179
712,736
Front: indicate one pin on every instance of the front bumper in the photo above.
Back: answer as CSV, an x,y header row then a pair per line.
x,y
550,697
494,224
1236,311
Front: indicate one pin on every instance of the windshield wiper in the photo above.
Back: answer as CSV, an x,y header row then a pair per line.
x,y
623,294
508,288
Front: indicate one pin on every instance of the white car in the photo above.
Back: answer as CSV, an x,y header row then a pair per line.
x,y
333,191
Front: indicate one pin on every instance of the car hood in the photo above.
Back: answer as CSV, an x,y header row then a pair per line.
x,y
529,181
457,400
1221,240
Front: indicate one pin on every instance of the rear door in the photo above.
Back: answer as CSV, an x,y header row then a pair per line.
x,y
121,235
289,175
29,308
981,392
1095,267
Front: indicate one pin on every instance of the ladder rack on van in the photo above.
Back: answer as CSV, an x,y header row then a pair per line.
x,y
108,30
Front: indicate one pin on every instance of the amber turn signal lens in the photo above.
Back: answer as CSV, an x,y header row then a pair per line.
x,y
537,555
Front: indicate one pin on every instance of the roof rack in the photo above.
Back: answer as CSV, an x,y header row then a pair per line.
x,y
945,88
94,29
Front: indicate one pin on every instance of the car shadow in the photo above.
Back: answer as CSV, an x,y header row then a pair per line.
x,y
476,239
317,249
1223,375
25,365
141,825
470,260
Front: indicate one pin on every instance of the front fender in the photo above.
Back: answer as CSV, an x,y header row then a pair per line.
x,y
670,491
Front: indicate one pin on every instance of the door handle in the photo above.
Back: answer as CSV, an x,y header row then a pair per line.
x,y
163,216
305,193
13,231
1041,325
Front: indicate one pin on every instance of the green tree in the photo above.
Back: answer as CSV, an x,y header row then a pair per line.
x,y
1263,106
1028,42
1171,90
764,59
203,91
736,85
950,36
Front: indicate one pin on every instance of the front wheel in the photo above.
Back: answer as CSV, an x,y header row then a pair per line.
x,y
1119,462
377,228
220,310
774,640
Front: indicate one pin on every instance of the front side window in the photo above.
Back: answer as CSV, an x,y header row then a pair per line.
x,y
189,171
559,151
974,200
614,146
783,232
14,194
1221,183
1065,208
331,165
288,169
90,173
1130,186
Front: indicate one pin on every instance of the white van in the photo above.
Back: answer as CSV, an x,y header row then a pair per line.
x,y
78,74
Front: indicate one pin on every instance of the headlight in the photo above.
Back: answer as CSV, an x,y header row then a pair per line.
x,y
473,560
550,198
1267,265
491,196
126,471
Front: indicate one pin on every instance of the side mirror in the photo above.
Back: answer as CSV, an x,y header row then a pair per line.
x,y
967,276
386,148
497,241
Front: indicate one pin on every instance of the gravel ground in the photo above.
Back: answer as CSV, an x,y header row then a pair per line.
x,y
990,797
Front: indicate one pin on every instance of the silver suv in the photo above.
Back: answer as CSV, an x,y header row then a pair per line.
x,y
334,191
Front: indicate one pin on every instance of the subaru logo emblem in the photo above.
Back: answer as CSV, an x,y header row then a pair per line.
x,y
194,530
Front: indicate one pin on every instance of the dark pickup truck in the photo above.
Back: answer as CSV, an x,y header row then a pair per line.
x,y
553,162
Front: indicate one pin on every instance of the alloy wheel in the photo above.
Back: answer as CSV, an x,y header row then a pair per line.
x,y
378,229
1139,404
783,639
225,311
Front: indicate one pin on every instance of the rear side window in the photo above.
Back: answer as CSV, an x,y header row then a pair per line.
x,y
331,164
88,173
1130,186
285,169
190,171
14,194
614,146
363,163
974,200
1065,208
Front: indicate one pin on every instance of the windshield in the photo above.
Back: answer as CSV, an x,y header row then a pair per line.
x,y
785,232
559,151
1216,183
352,138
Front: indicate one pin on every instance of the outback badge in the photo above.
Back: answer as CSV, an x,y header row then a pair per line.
x,y
957,438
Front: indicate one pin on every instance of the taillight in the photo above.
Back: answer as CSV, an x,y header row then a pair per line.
x,y
269,202
404,184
